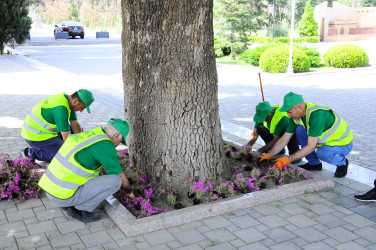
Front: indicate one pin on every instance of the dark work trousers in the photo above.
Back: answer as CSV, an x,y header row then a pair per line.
x,y
292,145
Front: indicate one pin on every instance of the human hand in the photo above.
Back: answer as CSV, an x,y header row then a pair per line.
x,y
280,163
130,195
266,157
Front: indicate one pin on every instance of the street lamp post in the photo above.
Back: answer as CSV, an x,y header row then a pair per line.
x,y
290,69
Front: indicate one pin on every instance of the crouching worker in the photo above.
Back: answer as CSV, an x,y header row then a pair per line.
x,y
71,181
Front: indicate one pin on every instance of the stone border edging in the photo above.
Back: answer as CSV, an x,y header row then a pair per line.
x,y
131,226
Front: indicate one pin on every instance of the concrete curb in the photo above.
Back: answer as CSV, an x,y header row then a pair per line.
x,y
131,226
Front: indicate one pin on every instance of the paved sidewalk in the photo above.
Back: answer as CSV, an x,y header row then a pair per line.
x,y
330,219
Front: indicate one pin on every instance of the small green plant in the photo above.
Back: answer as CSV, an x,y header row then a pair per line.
x,y
276,203
346,56
171,199
213,243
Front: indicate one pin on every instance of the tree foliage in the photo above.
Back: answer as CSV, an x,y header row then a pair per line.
x,y
14,21
308,25
74,14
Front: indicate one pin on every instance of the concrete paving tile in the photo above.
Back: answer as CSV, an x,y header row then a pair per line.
x,y
285,245
203,229
367,233
60,241
95,239
345,202
244,221
310,234
30,221
41,227
232,228
311,198
221,246
31,203
219,235
345,190
363,242
301,221
3,218
49,214
291,227
70,226
12,228
267,209
254,246
317,246
299,242
5,204
237,243
189,237
174,229
261,228
190,247
321,209
13,247
250,235
116,233
104,223
273,221
48,247
366,211
191,225
53,233
358,221
111,245
360,188
174,244
158,237
32,241
7,241
20,215
341,235
130,241
372,247
21,234
331,242
293,208
350,246
320,227
279,234
84,231
216,222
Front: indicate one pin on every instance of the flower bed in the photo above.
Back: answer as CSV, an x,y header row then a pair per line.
x,y
243,176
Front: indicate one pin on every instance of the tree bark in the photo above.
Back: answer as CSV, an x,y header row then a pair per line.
x,y
171,90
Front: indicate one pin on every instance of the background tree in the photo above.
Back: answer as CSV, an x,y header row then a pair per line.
x,y
74,14
171,90
308,25
14,21
330,3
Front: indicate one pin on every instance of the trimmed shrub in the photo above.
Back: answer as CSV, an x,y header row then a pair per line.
x,y
276,60
313,54
252,56
346,56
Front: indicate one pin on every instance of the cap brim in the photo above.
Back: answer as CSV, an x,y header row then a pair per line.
x,y
259,118
285,108
88,109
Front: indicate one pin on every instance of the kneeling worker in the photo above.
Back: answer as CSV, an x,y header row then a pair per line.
x,y
271,124
322,134
71,181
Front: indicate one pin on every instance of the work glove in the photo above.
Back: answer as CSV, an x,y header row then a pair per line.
x,y
266,157
280,163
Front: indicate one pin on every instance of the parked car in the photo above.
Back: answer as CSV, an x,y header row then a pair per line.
x,y
73,28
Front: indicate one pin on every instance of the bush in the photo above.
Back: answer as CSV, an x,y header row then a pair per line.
x,y
221,48
276,59
18,178
252,56
259,39
313,54
346,56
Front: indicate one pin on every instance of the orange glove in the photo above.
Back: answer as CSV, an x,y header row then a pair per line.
x,y
281,162
266,157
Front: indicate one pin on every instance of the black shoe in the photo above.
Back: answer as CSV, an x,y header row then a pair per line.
x,y
307,166
64,208
25,152
369,196
341,171
83,216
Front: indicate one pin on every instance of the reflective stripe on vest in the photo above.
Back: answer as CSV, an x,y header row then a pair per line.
x,y
334,129
65,175
35,127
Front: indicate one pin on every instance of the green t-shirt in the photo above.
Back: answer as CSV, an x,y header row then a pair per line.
x,y
101,153
320,121
59,116
281,126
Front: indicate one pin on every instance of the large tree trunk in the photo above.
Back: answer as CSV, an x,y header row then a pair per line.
x,y
171,90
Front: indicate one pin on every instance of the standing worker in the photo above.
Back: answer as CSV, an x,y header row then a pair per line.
x,y
72,179
322,134
271,124
50,122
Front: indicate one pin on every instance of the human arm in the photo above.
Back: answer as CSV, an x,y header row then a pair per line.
x,y
65,135
268,146
253,137
75,126
281,143
126,186
311,145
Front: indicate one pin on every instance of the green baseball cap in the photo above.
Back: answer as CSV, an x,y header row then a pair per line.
x,y
290,100
263,109
121,126
86,97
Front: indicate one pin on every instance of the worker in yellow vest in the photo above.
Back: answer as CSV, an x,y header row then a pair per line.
x,y
323,136
72,179
271,124
50,122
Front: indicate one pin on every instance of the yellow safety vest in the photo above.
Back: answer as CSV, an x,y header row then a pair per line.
x,y
339,134
35,127
278,115
65,175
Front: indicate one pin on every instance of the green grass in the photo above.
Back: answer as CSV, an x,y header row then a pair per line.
x,y
228,60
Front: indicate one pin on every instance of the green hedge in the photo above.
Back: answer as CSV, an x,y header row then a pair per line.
x,y
276,59
346,56
313,54
260,39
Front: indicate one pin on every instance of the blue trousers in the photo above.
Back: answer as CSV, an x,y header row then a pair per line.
x,y
45,150
332,155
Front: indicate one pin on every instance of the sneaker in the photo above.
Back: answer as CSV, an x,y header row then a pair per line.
x,y
307,166
369,196
83,216
341,171
25,152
